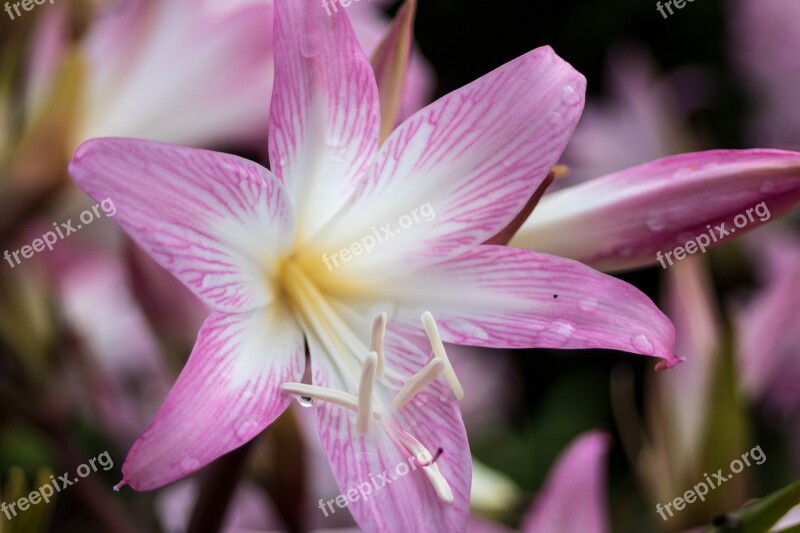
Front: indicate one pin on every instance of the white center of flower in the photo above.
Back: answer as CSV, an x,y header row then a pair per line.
x,y
363,368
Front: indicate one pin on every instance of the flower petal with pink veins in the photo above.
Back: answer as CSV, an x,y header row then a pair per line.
x,y
216,221
325,115
573,497
620,221
509,298
408,501
227,394
475,156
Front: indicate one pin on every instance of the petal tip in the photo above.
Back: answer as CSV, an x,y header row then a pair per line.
x,y
671,362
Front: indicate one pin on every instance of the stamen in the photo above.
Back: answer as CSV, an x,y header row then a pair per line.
x,y
438,350
376,340
365,398
336,397
418,381
427,462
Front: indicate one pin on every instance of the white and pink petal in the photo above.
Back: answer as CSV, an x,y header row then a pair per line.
x,y
325,114
504,297
217,222
227,394
623,220
474,157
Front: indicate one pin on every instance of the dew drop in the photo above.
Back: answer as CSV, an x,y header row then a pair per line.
x,y
305,401
588,304
766,187
555,118
561,332
570,96
309,46
642,344
189,464
684,172
655,222
245,428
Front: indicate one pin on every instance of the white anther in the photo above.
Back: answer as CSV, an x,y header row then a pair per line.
x,y
376,340
438,351
418,381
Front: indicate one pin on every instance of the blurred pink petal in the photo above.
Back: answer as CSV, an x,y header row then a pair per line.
x,y
770,29
197,72
769,331
573,498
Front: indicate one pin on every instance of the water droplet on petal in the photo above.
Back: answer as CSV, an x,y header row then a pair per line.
x,y
642,344
766,187
189,464
588,304
560,331
570,96
305,401
684,172
555,118
309,45
655,222
245,428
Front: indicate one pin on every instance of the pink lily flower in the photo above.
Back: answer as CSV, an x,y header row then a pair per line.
x,y
252,244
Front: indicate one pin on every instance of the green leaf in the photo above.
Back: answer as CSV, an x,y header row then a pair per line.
x,y
764,513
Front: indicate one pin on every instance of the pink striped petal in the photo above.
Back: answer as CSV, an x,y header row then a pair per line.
x,y
325,116
408,502
227,394
509,298
573,497
215,221
474,157
623,220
